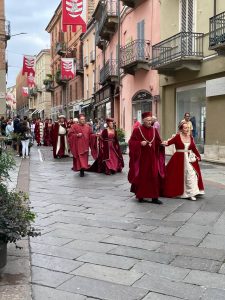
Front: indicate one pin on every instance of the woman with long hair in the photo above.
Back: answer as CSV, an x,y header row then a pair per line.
x,y
183,177
25,138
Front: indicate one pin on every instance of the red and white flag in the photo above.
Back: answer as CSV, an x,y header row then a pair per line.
x,y
30,80
73,13
29,64
25,91
67,68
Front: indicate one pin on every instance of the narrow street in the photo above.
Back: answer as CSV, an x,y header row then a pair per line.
x,y
98,242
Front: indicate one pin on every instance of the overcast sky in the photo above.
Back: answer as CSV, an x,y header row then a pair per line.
x,y
32,17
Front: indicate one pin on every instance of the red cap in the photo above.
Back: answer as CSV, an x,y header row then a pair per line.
x,y
109,120
146,114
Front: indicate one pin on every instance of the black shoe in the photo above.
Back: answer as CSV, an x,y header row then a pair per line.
x,y
140,200
156,201
82,173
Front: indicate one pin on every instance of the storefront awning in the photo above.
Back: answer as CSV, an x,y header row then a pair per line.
x,y
102,102
35,111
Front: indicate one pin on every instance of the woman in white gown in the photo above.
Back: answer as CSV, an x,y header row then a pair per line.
x,y
183,176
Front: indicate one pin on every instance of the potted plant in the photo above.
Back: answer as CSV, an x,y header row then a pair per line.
x,y
16,217
121,138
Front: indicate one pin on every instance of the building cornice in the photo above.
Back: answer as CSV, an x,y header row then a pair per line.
x,y
55,18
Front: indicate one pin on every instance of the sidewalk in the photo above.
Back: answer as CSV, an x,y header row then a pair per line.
x,y
16,276
98,242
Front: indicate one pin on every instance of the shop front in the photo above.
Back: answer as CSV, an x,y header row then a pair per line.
x,y
192,99
103,105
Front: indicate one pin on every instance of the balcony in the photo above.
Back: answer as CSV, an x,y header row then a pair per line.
x,y
49,85
92,56
86,61
135,56
99,42
109,73
106,15
60,48
33,92
59,80
183,50
217,33
79,67
7,30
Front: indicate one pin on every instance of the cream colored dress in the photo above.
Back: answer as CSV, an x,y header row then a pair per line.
x,y
190,177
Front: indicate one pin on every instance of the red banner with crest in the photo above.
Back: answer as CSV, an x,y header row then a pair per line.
x,y
73,13
25,91
67,68
29,64
30,80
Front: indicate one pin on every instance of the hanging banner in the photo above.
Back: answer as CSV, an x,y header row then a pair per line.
x,y
29,64
30,80
25,91
73,13
67,68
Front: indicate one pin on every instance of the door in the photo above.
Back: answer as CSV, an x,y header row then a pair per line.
x,y
140,45
187,26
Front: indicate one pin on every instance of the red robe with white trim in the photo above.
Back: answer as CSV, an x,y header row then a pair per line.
x,y
174,177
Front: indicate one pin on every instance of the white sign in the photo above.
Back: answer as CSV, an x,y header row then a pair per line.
x,y
215,87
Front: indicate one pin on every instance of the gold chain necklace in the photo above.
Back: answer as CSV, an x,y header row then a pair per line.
x,y
148,142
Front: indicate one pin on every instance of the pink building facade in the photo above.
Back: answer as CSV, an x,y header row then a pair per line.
x,y
125,84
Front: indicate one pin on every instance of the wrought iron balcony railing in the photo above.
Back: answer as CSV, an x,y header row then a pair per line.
x,y
135,52
7,30
107,20
217,31
60,48
182,46
109,71
79,66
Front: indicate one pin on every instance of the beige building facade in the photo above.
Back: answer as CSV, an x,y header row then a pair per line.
x,y
191,63
41,99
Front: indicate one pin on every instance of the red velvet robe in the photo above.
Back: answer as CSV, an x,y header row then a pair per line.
x,y
174,177
47,134
37,133
79,146
105,155
55,134
146,163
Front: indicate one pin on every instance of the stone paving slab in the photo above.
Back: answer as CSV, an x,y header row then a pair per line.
x,y
102,289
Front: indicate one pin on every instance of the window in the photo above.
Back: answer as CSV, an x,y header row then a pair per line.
x,y
141,30
187,8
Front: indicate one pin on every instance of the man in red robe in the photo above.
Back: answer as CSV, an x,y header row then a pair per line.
x,y
38,131
79,141
59,138
147,161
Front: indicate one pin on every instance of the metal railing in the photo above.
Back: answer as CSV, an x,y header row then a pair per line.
x,y
135,51
179,46
110,69
79,65
217,30
109,9
60,48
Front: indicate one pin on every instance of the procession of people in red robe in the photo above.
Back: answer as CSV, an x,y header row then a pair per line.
x,y
149,176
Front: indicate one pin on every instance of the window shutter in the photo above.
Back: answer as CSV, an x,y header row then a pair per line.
x,y
183,14
190,15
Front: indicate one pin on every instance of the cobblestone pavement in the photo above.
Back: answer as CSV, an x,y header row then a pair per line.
x,y
98,242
